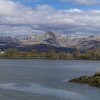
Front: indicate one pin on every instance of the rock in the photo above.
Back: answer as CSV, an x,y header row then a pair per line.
x,y
97,74
90,80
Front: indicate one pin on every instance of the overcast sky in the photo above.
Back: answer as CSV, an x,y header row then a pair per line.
x,y
27,16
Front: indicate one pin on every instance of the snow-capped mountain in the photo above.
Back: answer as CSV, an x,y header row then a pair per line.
x,y
81,41
76,40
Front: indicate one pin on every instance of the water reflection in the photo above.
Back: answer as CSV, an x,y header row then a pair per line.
x,y
39,89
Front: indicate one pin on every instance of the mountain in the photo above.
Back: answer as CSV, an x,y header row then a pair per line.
x,y
59,41
8,42
49,39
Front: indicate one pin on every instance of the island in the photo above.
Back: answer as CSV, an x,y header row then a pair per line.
x,y
90,80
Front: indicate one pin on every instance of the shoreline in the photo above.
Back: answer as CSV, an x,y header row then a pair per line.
x,y
47,58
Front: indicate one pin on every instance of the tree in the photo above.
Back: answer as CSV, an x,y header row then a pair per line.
x,y
11,53
76,54
62,55
51,53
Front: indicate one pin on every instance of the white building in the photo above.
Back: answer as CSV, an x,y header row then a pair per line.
x,y
2,52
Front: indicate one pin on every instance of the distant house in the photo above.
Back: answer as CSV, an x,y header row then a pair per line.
x,y
2,52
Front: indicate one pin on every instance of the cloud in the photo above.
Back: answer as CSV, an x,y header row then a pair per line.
x,y
7,7
16,18
83,2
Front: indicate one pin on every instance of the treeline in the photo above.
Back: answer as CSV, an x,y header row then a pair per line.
x,y
52,54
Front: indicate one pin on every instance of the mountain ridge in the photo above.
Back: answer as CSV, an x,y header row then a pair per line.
x,y
51,39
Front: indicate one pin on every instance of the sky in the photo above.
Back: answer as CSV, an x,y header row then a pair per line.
x,y
19,17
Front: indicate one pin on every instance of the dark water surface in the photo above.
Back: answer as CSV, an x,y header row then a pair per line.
x,y
32,79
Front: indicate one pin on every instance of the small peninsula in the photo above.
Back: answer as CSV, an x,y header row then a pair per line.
x,y
90,80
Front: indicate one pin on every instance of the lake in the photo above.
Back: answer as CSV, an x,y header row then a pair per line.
x,y
30,79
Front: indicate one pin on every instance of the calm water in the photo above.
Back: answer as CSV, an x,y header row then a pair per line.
x,y
46,80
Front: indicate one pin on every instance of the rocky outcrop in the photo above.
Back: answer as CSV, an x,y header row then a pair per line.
x,y
90,80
